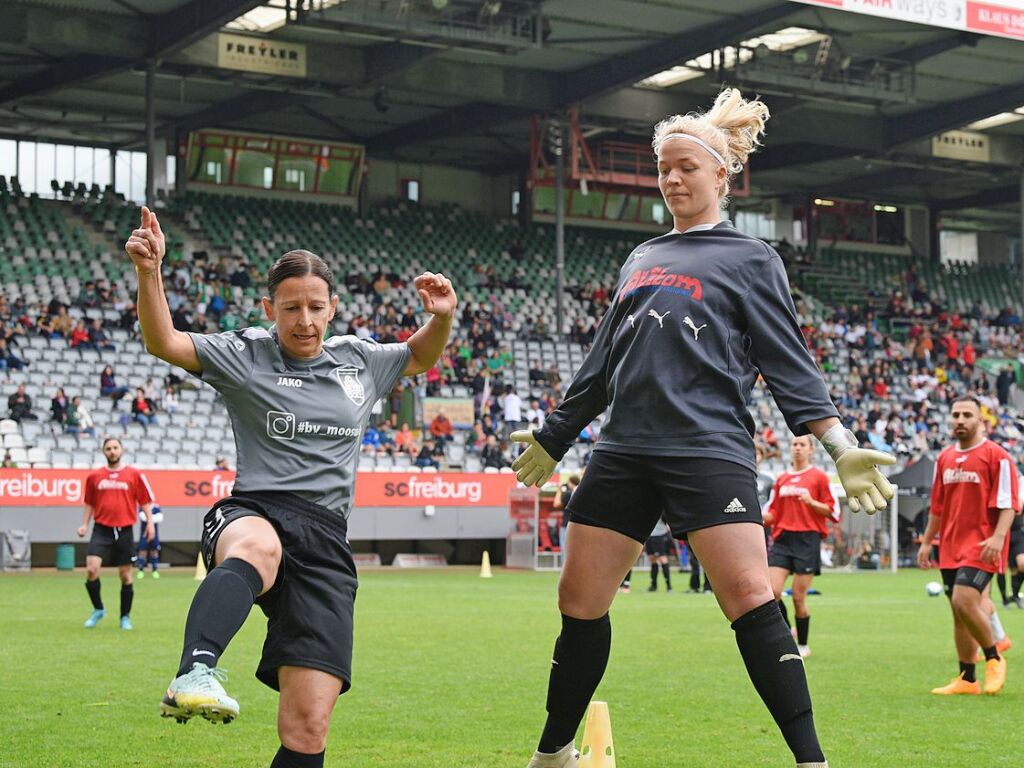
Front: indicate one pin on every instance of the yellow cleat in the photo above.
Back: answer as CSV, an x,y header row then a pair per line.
x,y
959,686
995,674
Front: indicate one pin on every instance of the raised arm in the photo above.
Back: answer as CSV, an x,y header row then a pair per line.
x,y
427,344
146,248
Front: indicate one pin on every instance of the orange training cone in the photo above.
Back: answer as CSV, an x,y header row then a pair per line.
x,y
596,750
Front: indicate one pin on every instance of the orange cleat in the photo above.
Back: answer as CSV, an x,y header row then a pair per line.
x,y
995,674
959,686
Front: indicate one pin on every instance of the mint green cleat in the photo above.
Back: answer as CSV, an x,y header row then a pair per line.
x,y
156,575
199,692
126,622
140,574
94,618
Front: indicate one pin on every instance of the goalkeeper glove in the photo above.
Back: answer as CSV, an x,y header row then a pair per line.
x,y
534,466
866,488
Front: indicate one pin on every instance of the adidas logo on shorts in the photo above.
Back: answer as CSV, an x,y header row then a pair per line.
x,y
734,507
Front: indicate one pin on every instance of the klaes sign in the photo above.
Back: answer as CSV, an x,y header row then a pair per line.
x,y
1000,18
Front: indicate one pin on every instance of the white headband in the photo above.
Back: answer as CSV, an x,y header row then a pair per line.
x,y
695,140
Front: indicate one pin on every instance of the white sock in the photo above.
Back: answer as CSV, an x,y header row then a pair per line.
x,y
812,765
997,626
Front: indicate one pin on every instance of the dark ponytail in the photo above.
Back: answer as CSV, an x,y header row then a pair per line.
x,y
299,264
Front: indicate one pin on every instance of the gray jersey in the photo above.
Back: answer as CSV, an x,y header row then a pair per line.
x,y
298,423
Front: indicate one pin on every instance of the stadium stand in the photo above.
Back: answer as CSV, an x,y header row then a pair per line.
x,y
892,361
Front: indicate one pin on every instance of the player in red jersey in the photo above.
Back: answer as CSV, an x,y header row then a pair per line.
x,y
112,496
798,511
973,498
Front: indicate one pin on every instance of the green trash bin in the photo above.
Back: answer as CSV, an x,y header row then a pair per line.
x,y
65,557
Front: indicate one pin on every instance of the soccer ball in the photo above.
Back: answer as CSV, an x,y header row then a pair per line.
x,y
933,588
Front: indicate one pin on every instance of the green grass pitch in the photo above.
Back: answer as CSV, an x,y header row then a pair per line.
x,y
450,672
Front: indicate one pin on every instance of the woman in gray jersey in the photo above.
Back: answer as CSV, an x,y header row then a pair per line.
x,y
697,313
298,406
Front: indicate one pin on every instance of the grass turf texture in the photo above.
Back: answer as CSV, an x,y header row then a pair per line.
x,y
451,671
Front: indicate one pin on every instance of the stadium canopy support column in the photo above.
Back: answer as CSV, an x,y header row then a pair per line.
x,y
1021,251
894,530
934,236
812,227
559,130
151,159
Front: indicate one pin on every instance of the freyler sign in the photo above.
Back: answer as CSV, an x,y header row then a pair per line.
x,y
257,54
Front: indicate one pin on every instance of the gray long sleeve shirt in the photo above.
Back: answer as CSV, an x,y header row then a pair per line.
x,y
693,320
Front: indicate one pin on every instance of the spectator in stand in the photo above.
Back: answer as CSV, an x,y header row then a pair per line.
x,y
427,455
20,405
222,464
98,337
8,360
1004,382
109,387
442,428
492,455
143,409
80,337
59,407
535,414
8,462
405,440
371,443
79,419
512,405
537,376
170,401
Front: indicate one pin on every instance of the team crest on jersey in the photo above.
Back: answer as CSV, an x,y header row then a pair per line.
x,y
348,377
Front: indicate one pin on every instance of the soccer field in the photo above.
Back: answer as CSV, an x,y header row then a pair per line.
x,y
450,672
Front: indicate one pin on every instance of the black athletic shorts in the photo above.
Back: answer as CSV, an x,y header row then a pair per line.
x,y
1016,545
628,493
965,577
115,546
309,609
797,552
660,546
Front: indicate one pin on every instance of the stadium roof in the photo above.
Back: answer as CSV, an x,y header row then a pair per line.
x,y
455,81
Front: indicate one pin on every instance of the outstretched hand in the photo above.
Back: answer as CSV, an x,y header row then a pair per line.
x,y
146,246
866,488
437,294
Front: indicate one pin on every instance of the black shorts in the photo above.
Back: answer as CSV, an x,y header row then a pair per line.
x,y
628,493
1016,546
797,552
115,546
309,609
965,577
660,546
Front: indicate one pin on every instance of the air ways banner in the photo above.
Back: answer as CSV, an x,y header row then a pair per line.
x,y
1001,18
186,488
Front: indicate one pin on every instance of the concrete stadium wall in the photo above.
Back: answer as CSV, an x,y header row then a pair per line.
x,y
471,190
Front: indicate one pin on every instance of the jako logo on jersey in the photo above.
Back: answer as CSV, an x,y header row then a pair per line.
x,y
960,476
348,377
658,279
285,381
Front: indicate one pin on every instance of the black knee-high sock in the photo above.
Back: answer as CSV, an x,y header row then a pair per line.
x,y
93,588
666,572
784,612
1001,583
218,611
1016,582
127,594
777,672
654,574
285,758
803,629
577,666
694,574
